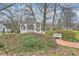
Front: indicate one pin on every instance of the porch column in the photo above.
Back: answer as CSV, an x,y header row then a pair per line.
x,y
20,28
40,27
34,27
25,28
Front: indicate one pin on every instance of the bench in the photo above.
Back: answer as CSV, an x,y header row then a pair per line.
x,y
57,36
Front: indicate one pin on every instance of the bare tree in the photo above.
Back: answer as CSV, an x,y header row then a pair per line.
x,y
5,7
68,17
43,8
30,6
54,15
10,22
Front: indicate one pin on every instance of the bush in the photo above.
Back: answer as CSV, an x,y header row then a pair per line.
x,y
72,39
68,35
29,42
1,45
32,43
49,33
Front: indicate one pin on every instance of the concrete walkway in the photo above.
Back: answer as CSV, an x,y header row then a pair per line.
x,y
66,43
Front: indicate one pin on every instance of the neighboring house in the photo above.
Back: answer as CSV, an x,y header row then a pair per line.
x,y
76,27
3,27
31,25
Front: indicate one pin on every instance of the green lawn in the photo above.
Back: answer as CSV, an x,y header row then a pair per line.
x,y
77,34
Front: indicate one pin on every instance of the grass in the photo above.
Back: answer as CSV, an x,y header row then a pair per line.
x,y
10,41
11,44
1,34
25,42
77,34
33,43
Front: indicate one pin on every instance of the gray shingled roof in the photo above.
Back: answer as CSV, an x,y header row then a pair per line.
x,y
29,21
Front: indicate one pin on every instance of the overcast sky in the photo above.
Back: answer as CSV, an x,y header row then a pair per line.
x,y
74,5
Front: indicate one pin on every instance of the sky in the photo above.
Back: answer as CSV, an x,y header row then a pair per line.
x,y
76,8
74,5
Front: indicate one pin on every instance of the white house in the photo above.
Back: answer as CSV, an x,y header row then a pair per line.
x,y
31,25
27,25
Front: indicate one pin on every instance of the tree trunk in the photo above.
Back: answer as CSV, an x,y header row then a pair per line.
x,y
60,22
54,16
3,31
44,19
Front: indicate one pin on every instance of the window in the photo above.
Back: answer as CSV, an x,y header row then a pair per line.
x,y
22,27
38,27
30,27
